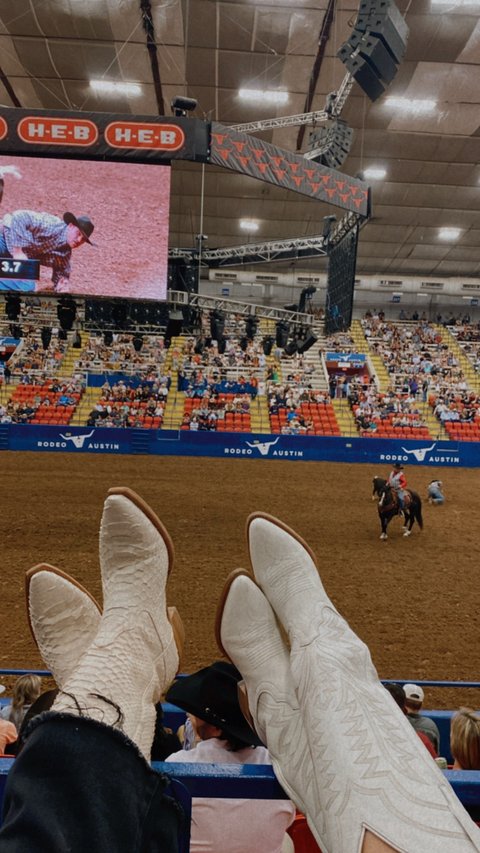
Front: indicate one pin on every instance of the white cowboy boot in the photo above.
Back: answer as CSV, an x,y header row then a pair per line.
x,y
63,617
134,656
247,633
372,774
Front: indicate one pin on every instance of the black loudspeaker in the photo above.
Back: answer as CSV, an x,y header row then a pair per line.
x,y
267,345
331,145
281,334
373,50
183,276
77,340
291,348
46,335
251,326
174,325
66,312
362,72
382,18
244,343
119,314
137,342
12,306
309,341
222,344
217,325
15,330
376,46
108,339
382,27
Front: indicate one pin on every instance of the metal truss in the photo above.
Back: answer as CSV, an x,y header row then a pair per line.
x,y
275,250
346,224
333,110
256,253
180,299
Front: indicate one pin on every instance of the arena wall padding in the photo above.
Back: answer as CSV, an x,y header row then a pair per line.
x,y
308,448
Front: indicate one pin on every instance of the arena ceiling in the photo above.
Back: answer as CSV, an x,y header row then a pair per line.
x,y
210,49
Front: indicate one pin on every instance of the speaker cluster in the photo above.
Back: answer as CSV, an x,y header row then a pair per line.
x,y
330,145
376,46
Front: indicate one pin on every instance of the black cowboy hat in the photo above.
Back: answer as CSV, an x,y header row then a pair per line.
x,y
83,223
211,695
397,465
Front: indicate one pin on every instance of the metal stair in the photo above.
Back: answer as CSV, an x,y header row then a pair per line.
x,y
174,408
140,440
259,416
362,346
471,376
345,419
4,436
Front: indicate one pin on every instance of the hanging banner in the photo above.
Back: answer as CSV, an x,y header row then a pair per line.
x,y
244,153
103,135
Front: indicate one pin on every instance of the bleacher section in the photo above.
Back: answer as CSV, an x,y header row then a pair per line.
x,y
419,381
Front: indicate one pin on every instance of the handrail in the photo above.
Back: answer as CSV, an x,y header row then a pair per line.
x,y
423,682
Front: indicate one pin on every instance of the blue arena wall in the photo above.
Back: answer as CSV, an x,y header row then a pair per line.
x,y
239,445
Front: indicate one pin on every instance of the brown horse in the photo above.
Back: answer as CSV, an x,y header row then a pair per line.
x,y
388,507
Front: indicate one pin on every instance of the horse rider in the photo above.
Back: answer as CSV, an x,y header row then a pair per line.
x,y
397,481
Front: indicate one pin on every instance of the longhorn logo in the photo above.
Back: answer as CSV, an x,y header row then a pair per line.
x,y
420,452
264,446
77,440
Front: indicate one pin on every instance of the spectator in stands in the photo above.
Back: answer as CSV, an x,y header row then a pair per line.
x,y
435,493
8,732
465,740
210,696
398,482
398,694
25,691
414,697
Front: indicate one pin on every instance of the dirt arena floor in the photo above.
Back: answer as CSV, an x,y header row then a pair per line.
x,y
414,601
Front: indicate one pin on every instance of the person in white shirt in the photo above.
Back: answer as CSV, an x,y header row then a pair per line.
x,y
210,698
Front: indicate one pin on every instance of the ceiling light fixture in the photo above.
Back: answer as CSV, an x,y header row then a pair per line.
x,y
249,225
449,233
264,96
374,173
417,106
454,4
108,87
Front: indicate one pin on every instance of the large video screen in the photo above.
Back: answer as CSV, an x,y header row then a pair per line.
x,y
84,227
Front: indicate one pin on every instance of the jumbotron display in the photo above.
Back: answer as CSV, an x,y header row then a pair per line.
x,y
87,228
340,283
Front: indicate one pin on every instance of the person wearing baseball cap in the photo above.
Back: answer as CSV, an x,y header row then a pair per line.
x,y
414,697
49,239
210,696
